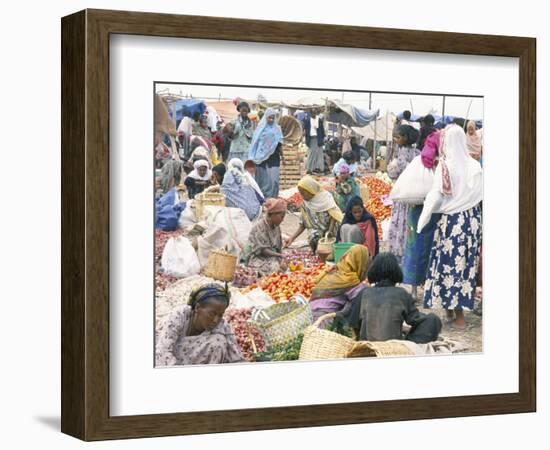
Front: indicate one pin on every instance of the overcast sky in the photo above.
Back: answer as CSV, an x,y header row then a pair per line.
x,y
468,107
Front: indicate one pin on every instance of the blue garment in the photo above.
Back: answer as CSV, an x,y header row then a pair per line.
x,y
306,124
240,195
266,139
168,211
454,260
418,247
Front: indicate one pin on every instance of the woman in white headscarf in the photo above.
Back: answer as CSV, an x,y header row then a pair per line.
x,y
199,179
456,194
240,189
473,141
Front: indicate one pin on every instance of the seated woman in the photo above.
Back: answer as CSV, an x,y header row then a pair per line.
x,y
335,289
199,179
349,159
196,333
265,243
238,191
346,187
319,214
359,226
380,312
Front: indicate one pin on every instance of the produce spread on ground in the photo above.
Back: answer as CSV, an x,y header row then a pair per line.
x,y
299,279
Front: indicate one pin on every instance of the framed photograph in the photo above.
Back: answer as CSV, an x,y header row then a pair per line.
x,y
270,225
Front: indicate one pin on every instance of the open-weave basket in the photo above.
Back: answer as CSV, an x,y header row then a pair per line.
x,y
206,198
221,265
325,246
363,349
281,323
324,344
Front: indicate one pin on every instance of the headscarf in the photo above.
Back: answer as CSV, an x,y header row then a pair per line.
x,y
322,200
344,169
208,290
366,217
458,176
195,173
274,205
265,139
473,141
236,167
350,271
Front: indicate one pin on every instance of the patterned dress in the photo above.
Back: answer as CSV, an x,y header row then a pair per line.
x,y
454,261
398,228
241,140
174,347
263,236
317,225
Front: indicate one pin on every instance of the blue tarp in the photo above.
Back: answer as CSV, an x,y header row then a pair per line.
x,y
187,107
443,121
350,115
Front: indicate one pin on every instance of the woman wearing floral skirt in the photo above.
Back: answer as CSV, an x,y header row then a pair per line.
x,y
456,194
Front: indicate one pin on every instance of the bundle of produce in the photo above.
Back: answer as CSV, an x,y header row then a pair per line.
x,y
383,176
299,259
295,200
289,352
282,286
161,238
377,187
162,281
237,318
244,276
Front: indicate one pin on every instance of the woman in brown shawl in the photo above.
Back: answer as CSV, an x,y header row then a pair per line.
x,y
473,141
265,243
196,333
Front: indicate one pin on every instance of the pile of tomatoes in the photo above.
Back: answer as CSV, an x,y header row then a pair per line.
x,y
377,190
283,286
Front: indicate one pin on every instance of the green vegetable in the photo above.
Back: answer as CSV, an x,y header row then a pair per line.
x,y
288,352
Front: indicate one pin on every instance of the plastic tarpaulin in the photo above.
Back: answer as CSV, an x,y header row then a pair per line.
x,y
444,120
350,115
188,107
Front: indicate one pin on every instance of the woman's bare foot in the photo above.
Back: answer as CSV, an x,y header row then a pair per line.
x,y
459,323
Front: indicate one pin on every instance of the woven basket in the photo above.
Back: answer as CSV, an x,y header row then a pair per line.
x,y
324,344
365,194
280,324
292,130
368,349
221,265
207,198
325,246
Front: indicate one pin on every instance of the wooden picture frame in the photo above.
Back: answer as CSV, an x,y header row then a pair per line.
x,y
85,224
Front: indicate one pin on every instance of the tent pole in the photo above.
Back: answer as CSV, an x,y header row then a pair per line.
x,y
443,111
370,101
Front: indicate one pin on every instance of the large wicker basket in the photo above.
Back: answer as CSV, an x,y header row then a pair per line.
x,y
368,349
207,198
280,324
324,344
221,265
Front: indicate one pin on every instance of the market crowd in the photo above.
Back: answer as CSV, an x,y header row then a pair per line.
x,y
435,244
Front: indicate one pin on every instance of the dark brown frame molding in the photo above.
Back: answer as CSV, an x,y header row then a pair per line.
x,y
85,224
